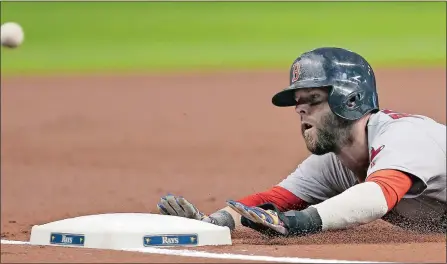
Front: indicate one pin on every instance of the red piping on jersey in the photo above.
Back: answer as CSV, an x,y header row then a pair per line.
x,y
281,197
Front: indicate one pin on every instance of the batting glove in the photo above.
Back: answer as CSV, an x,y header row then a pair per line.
x,y
179,206
268,220
264,221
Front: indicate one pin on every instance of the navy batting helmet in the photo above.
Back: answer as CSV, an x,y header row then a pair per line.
x,y
348,75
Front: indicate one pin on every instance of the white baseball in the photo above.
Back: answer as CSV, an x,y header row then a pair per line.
x,y
11,35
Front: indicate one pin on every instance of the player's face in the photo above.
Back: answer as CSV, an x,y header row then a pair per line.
x,y
323,131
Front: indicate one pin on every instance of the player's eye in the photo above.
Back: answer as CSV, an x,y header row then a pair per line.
x,y
314,99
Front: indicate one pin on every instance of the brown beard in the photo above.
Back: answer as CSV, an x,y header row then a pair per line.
x,y
332,134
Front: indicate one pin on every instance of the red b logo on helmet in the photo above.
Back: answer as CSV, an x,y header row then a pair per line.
x,y
295,72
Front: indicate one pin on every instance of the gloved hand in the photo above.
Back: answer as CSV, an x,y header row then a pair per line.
x,y
268,220
179,206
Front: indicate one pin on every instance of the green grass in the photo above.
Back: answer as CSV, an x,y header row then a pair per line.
x,y
141,36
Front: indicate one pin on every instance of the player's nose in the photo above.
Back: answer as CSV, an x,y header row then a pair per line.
x,y
302,109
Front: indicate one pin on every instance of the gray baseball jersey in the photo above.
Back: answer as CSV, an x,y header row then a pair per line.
x,y
413,144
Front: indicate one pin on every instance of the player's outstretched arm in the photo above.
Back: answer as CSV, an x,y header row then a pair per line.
x,y
360,204
283,199
365,202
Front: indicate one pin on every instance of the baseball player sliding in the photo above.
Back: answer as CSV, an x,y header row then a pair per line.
x,y
366,163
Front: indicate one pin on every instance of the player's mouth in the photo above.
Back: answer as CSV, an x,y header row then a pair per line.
x,y
305,126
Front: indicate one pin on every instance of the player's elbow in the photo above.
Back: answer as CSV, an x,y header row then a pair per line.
x,y
394,185
360,204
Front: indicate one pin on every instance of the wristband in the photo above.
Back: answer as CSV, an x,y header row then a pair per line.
x,y
298,223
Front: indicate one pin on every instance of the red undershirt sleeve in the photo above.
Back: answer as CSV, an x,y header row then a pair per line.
x,y
394,184
279,196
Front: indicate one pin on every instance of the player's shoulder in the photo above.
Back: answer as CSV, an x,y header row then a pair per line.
x,y
390,121
391,126
392,116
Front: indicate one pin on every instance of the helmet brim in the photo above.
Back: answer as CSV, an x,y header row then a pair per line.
x,y
286,97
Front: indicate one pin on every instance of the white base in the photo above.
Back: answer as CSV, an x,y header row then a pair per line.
x,y
129,230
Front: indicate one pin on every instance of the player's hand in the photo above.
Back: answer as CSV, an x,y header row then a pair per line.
x,y
265,220
179,206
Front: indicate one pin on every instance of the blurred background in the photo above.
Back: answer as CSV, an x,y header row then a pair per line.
x,y
167,36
